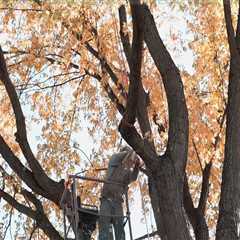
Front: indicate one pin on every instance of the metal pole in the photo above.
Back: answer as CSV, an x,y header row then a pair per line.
x,y
75,209
94,179
128,215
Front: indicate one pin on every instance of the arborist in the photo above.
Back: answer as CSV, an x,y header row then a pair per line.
x,y
123,169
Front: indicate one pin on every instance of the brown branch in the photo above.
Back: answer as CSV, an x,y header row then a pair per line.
x,y
32,198
177,146
25,86
63,83
136,97
42,220
35,227
135,65
133,138
229,26
205,188
238,29
20,207
142,112
24,173
188,203
123,34
21,135
102,59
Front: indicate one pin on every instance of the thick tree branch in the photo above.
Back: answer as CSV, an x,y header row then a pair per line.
x,y
123,34
238,29
177,146
145,151
142,113
228,221
229,26
205,188
188,203
21,135
135,97
135,65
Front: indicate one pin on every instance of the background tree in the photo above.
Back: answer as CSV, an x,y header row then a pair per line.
x,y
67,59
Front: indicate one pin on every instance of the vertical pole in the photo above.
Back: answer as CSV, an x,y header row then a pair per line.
x,y
75,209
128,215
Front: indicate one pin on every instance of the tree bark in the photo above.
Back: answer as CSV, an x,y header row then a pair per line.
x,y
229,206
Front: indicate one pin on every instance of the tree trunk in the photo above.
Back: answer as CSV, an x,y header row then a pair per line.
x,y
229,207
172,215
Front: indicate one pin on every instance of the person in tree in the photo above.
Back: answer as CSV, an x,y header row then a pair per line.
x,y
123,169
